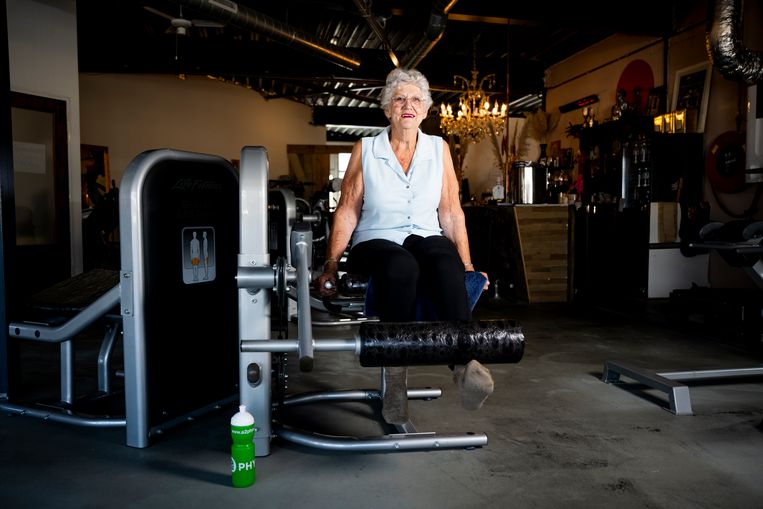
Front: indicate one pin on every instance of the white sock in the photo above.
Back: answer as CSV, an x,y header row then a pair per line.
x,y
475,384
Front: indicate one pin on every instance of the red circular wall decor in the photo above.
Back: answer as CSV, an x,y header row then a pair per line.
x,y
725,162
637,79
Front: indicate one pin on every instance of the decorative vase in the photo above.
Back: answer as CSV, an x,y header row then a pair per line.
x,y
542,157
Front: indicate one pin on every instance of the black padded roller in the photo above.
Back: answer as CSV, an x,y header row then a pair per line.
x,y
432,343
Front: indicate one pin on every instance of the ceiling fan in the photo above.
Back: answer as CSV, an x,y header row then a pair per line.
x,y
180,25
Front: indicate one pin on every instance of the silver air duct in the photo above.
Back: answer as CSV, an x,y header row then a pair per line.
x,y
738,63
241,16
365,11
435,30
729,55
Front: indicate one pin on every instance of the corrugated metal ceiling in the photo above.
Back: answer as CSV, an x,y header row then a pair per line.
x,y
334,54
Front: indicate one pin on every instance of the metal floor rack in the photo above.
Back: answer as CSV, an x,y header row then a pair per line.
x,y
670,382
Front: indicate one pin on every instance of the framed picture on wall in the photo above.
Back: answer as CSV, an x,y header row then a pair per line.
x,y
691,91
655,103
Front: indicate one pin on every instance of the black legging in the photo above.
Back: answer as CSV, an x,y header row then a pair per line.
x,y
427,266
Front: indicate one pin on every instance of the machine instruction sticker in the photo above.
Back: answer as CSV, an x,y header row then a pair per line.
x,y
198,245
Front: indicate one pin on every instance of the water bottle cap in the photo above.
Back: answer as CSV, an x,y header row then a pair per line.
x,y
242,418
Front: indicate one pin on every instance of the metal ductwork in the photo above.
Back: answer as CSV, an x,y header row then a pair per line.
x,y
365,10
435,30
738,63
729,55
241,16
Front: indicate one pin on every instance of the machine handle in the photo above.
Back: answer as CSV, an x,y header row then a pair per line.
x,y
301,248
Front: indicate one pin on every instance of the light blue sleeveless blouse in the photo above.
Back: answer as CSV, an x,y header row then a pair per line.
x,y
396,205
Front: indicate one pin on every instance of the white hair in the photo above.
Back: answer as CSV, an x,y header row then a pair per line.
x,y
398,77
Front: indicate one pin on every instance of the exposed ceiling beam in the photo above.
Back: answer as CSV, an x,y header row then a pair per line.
x,y
244,17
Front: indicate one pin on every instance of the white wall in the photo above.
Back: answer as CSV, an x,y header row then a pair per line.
x,y
481,168
130,113
481,165
42,49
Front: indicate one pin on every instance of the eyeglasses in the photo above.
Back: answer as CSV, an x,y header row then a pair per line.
x,y
400,100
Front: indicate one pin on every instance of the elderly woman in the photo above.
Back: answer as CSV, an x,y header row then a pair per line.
x,y
401,211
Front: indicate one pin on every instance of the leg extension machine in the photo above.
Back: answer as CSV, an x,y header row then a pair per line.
x,y
376,344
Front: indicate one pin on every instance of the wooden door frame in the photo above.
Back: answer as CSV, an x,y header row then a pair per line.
x,y
7,211
57,107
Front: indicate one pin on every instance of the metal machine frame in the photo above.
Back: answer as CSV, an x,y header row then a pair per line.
x,y
669,382
256,276
134,285
63,335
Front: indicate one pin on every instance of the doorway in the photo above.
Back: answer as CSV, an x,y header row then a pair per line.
x,y
41,184
312,167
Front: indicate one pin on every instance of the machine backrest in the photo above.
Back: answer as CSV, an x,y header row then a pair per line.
x,y
179,229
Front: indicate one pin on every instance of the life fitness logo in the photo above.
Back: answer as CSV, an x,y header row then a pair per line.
x,y
241,467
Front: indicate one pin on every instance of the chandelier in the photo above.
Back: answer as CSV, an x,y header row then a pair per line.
x,y
476,117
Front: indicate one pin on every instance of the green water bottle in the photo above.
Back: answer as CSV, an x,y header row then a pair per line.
x,y
242,450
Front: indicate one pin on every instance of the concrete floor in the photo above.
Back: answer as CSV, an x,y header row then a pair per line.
x,y
558,436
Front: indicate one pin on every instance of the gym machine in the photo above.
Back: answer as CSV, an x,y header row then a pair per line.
x,y
376,344
194,303
740,243
58,315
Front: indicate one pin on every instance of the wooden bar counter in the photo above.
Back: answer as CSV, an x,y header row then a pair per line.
x,y
523,248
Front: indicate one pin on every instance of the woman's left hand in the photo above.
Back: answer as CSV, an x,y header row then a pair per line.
x,y
487,281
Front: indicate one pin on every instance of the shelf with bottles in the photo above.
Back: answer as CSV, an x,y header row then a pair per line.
x,y
558,185
626,162
556,164
637,172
